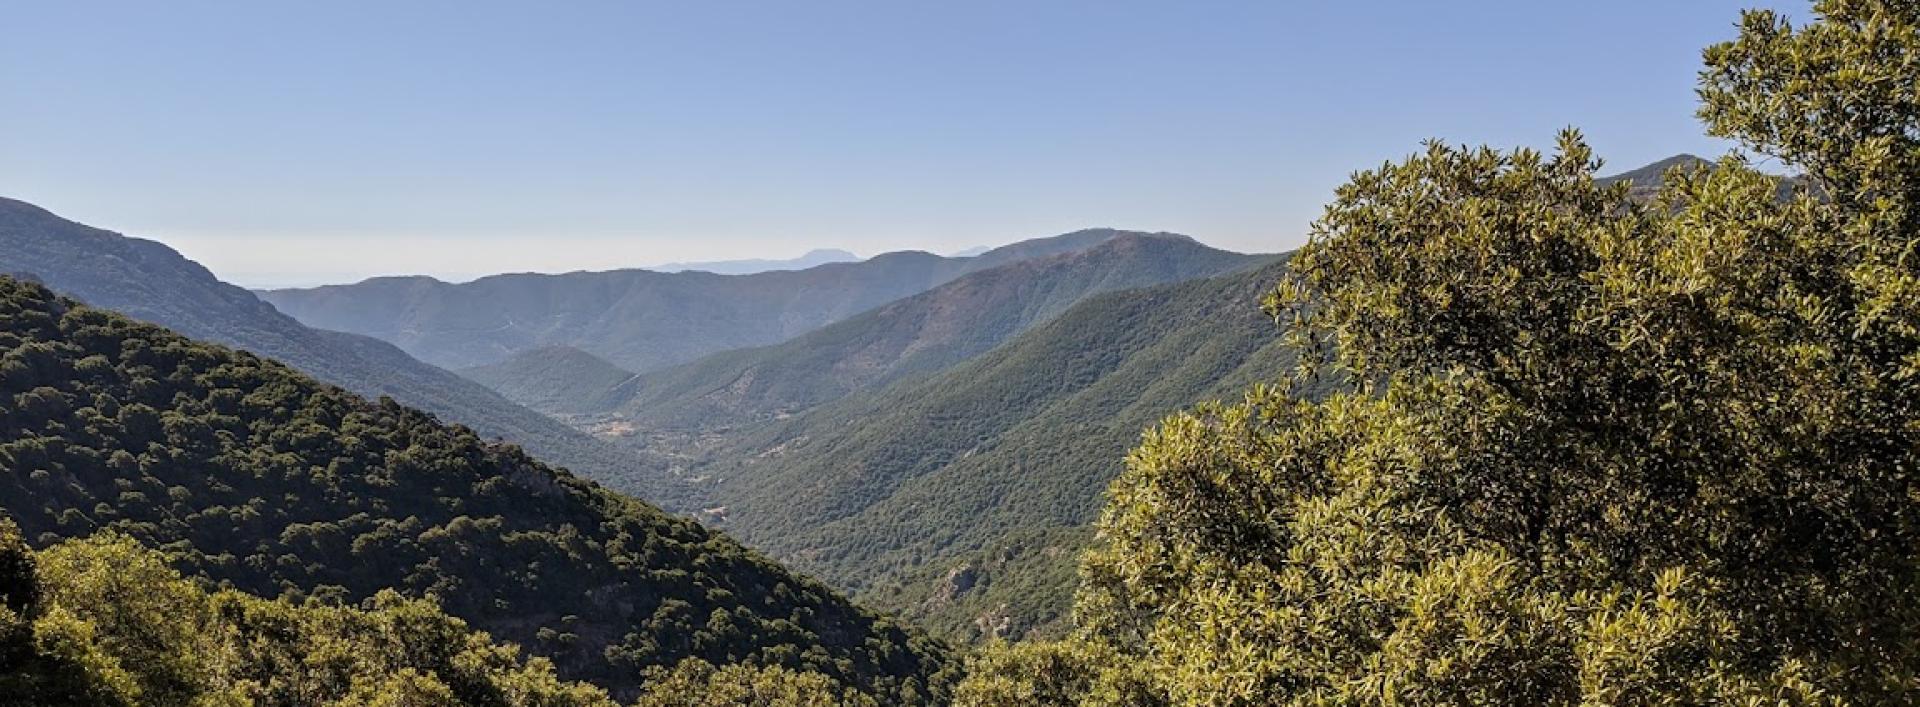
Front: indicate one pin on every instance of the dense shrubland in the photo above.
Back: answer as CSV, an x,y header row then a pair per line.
x,y
249,475
104,621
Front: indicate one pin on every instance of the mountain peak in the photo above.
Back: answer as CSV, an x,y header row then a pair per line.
x,y
1651,174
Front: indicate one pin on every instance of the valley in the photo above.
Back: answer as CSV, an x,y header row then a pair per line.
x,y
696,355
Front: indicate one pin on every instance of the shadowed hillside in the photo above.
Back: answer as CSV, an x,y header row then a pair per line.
x,y
149,281
248,473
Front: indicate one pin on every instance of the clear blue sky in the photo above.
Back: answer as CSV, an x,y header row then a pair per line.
x,y
302,142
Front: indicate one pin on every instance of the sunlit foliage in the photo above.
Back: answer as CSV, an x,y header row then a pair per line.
x,y
1604,450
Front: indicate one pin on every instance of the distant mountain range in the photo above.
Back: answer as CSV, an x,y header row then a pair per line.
x,y
821,256
639,320
921,334
152,282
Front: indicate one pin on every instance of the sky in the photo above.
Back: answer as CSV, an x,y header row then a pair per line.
x,y
289,143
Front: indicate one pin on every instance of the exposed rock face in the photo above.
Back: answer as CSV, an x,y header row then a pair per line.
x,y
994,624
957,583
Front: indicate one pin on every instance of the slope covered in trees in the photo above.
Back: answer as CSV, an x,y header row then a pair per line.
x,y
556,380
918,335
249,474
149,281
963,499
637,319
1617,452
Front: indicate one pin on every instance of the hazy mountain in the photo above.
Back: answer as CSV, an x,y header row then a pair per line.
x,y
248,473
922,334
964,497
821,256
639,320
150,281
558,380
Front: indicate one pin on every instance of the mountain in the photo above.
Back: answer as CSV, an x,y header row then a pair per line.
x,y
558,380
639,320
152,282
820,256
963,498
250,475
1645,181
921,334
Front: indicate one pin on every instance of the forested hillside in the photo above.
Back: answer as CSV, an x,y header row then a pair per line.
x,y
248,474
992,471
637,319
151,282
918,335
557,380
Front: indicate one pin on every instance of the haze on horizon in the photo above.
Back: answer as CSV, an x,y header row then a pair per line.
x,y
328,143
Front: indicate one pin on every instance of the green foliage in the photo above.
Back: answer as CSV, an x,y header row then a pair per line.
x,y
557,380
697,683
247,474
114,625
916,336
962,500
140,616
1051,674
1605,451
150,282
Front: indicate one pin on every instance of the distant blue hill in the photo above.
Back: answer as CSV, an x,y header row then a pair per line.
x,y
820,256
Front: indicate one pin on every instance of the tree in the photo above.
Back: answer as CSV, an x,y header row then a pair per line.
x,y
1597,451
1050,674
105,621
697,683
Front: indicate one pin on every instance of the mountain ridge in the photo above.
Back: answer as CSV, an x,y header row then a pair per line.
x,y
637,319
921,334
152,282
749,266
557,380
